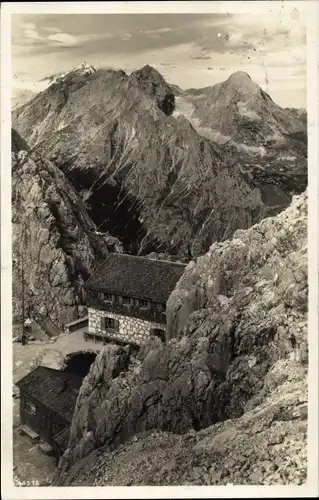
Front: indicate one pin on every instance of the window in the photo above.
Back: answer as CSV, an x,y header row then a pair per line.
x,y
144,304
110,323
30,406
108,297
160,307
126,301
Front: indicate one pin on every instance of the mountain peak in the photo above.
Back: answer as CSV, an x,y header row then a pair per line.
x,y
147,67
85,67
239,75
82,69
148,71
241,80
153,83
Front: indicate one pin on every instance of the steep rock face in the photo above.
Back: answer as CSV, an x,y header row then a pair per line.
x,y
237,350
54,235
145,177
153,84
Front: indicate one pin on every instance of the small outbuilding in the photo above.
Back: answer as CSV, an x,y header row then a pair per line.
x,y
47,402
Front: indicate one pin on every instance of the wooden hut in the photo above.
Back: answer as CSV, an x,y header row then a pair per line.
x,y
47,402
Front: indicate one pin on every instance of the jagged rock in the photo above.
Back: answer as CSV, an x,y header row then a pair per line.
x,y
240,365
54,236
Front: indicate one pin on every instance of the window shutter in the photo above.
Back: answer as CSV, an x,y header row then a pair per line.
x,y
103,324
116,324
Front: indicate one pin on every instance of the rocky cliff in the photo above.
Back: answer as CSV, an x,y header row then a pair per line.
x,y
147,176
224,400
54,236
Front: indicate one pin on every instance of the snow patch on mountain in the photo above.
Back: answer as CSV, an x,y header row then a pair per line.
x,y
82,69
24,90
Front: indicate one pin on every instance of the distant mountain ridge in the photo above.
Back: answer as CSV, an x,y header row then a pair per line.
x,y
239,110
145,174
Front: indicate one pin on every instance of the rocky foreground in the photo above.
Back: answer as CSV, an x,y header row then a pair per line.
x,y
225,399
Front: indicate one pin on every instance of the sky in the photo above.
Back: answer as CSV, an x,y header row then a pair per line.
x,y
190,50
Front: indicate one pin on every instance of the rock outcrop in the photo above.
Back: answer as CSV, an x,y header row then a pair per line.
x,y
54,236
230,382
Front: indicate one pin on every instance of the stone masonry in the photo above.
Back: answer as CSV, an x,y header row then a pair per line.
x,y
130,329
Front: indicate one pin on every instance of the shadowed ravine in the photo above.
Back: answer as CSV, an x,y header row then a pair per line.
x,y
111,208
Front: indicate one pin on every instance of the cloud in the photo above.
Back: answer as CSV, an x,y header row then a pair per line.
x,y
183,45
200,57
50,29
157,31
64,39
30,31
166,64
214,69
258,36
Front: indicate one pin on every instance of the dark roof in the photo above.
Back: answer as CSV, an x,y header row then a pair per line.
x,y
55,389
62,438
137,277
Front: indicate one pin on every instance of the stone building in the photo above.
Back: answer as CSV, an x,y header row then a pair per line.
x,y
127,298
